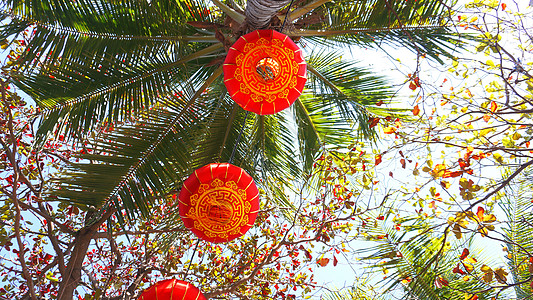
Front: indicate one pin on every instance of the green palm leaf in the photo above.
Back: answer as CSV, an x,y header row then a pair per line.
x,y
517,205
101,97
139,161
104,63
343,95
265,148
420,26
414,257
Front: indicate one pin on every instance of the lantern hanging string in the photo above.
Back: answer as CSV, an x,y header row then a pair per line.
x,y
192,257
286,17
238,138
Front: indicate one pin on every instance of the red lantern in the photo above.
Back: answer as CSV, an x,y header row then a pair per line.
x,y
172,289
219,202
264,72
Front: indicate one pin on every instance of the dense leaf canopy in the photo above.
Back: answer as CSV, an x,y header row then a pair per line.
x,y
139,85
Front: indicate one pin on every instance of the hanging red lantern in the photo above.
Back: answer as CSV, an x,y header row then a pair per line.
x,y
172,289
264,72
219,202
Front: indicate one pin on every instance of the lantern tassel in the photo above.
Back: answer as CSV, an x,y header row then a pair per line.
x,y
286,17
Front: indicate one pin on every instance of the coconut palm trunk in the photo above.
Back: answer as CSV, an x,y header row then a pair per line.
x,y
260,12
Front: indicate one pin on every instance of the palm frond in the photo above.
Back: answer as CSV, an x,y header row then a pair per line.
x,y
123,165
264,149
359,291
405,264
100,61
375,22
95,97
137,18
414,258
517,205
139,161
350,90
271,152
57,48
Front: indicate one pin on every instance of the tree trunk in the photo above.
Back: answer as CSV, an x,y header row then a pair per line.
x,y
73,271
82,240
260,12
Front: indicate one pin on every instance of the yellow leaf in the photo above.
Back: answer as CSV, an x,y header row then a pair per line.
x,y
498,157
457,231
484,232
50,276
463,182
463,223
486,131
398,123
445,184
378,159
489,218
451,220
501,275
438,171
470,260
430,163
469,296
485,269
389,130
487,277
469,267
493,106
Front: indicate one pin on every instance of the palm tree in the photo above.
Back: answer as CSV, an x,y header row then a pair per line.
x,y
138,85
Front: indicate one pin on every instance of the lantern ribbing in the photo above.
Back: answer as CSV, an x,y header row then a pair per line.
x,y
219,202
264,72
